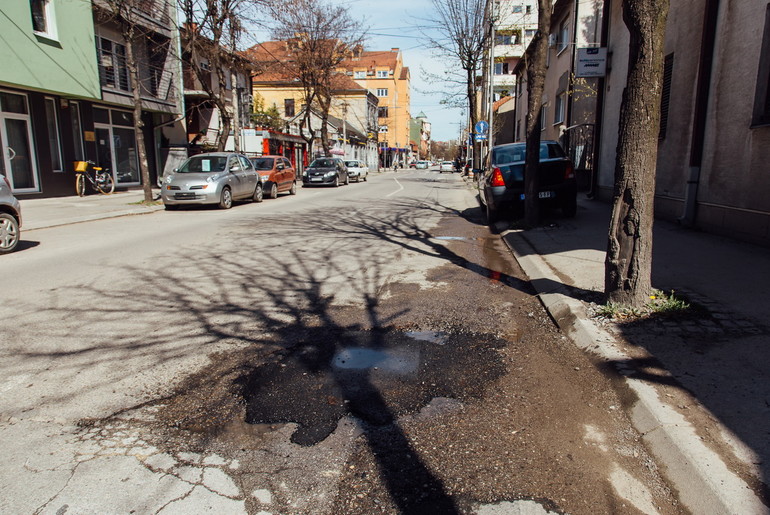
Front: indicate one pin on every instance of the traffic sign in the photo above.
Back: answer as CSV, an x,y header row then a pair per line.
x,y
482,127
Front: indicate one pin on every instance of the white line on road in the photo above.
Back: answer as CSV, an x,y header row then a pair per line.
x,y
399,186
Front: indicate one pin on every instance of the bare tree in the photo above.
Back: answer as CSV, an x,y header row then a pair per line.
x,y
628,266
211,33
465,30
130,17
536,70
320,35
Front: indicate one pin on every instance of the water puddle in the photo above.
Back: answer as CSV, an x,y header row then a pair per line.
x,y
428,336
402,361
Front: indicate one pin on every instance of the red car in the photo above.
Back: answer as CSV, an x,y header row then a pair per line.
x,y
277,175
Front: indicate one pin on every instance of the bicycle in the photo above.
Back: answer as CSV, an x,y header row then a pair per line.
x,y
100,178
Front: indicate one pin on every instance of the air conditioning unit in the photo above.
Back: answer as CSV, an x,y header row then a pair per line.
x,y
552,40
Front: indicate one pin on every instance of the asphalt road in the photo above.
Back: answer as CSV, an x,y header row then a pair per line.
x,y
370,348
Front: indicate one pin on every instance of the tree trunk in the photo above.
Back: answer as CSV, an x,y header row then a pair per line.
x,y
535,87
628,266
136,90
473,113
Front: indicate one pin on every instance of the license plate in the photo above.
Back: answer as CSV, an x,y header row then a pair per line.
x,y
184,195
316,179
542,194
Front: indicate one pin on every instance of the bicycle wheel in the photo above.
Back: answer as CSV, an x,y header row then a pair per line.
x,y
104,183
80,185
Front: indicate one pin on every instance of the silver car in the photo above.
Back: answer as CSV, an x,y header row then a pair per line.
x,y
10,218
213,178
357,170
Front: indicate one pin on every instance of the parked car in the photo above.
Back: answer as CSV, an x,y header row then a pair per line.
x,y
422,165
10,218
276,174
357,170
446,166
326,170
213,178
502,185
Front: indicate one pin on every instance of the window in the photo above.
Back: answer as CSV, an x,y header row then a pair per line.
x,y
543,116
382,112
665,96
52,124
43,20
382,92
501,68
558,110
77,131
288,107
518,8
529,9
359,74
530,33
563,36
762,95
383,129
113,71
382,74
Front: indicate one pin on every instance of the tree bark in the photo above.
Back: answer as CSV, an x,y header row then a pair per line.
x,y
535,86
136,91
628,265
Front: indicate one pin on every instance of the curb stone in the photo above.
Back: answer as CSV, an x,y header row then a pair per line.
x,y
703,481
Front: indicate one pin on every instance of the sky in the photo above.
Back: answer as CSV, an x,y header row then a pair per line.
x,y
400,23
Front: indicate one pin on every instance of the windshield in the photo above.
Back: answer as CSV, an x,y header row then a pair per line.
x,y
351,163
323,163
204,164
263,163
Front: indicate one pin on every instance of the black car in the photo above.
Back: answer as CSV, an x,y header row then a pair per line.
x,y
326,170
502,186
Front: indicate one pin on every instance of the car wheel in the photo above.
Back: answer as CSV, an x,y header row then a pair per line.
x,y
293,190
347,179
273,191
366,177
9,233
259,193
226,201
492,215
336,181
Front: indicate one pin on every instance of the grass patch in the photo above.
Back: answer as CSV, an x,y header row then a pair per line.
x,y
660,305
147,203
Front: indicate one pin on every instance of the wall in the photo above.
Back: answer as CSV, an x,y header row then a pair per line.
x,y
66,65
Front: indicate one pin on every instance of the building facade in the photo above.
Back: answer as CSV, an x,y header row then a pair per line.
x,y
383,74
67,95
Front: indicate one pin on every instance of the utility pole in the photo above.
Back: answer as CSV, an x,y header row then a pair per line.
x,y
344,129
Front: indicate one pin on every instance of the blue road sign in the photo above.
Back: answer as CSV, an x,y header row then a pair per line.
x,y
482,127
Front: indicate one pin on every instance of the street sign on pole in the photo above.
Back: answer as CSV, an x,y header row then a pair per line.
x,y
481,128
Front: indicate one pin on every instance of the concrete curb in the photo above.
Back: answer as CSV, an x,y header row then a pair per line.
x,y
703,481
89,218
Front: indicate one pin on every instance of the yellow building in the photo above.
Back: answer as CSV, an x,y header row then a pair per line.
x,y
383,73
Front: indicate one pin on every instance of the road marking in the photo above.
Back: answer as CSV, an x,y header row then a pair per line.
x,y
400,188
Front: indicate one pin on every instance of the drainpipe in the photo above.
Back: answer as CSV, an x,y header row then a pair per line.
x,y
600,89
705,68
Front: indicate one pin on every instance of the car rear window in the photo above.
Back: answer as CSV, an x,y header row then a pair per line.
x,y
515,153
263,163
203,164
323,163
352,163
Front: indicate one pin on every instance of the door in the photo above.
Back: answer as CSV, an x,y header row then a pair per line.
x,y
16,144
116,150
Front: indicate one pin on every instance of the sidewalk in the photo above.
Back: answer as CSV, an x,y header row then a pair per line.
x,y
51,212
701,384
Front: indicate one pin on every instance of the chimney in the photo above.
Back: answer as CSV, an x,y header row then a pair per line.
x,y
394,49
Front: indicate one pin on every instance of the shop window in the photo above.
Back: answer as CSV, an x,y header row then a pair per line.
x,y
52,124
77,131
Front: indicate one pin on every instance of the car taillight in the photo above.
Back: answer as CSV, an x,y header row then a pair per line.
x,y
569,173
497,178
